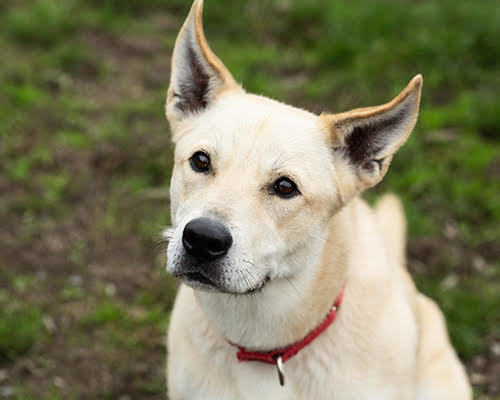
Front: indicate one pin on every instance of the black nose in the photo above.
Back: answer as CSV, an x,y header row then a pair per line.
x,y
206,239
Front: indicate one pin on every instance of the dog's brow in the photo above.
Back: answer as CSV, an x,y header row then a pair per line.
x,y
278,163
281,164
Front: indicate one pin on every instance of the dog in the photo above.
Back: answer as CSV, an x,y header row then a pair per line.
x,y
292,286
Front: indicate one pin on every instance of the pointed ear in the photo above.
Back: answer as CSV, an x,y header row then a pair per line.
x,y
197,74
367,138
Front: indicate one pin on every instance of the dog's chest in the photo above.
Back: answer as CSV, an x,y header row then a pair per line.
x,y
304,381
256,380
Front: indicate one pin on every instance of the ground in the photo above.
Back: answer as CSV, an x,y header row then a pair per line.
x,y
86,157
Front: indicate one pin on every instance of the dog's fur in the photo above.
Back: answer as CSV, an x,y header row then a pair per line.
x,y
388,341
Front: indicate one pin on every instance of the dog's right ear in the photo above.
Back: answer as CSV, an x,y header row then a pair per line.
x,y
197,76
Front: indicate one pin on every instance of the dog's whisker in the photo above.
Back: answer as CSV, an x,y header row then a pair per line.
x,y
289,280
160,245
248,262
252,275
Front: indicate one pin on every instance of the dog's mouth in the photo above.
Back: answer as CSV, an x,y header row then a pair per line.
x,y
198,278
199,281
259,286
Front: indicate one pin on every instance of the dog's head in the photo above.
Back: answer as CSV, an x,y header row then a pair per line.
x,y
255,181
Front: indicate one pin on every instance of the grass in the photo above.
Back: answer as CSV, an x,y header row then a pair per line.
x,y
20,328
86,162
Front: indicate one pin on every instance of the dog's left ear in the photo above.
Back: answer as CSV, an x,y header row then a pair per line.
x,y
197,76
367,138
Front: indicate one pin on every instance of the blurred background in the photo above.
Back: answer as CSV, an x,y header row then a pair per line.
x,y
85,160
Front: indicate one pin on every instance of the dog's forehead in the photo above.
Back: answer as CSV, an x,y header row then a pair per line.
x,y
263,112
247,122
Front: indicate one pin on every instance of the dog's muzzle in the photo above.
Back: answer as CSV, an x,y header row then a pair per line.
x,y
205,241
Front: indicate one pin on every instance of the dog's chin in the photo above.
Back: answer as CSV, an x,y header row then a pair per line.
x,y
198,281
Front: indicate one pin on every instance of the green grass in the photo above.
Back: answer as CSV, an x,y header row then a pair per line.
x,y
106,312
20,328
42,23
86,157
21,393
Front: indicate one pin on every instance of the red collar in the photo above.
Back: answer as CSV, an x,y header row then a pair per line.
x,y
288,352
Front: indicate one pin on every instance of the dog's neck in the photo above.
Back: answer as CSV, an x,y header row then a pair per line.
x,y
285,310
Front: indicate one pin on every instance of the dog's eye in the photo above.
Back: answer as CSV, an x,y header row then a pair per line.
x,y
284,187
200,161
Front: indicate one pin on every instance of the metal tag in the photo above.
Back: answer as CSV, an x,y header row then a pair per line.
x,y
281,370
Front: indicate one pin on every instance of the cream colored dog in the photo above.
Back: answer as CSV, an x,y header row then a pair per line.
x,y
268,229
